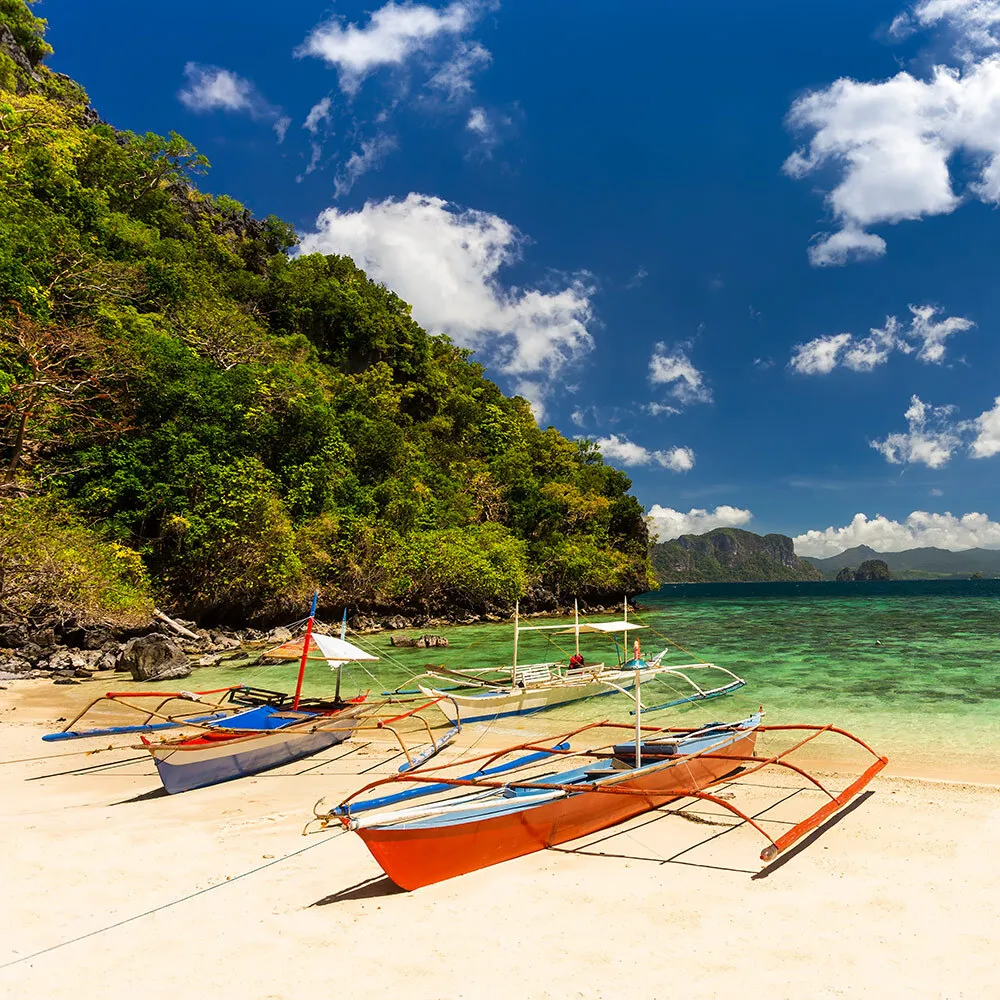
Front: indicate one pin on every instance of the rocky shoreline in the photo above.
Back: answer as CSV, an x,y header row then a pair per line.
x,y
69,652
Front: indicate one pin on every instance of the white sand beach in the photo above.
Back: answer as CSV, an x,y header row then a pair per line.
x,y
897,898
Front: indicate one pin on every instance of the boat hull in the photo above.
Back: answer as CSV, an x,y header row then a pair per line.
x,y
525,701
416,857
182,768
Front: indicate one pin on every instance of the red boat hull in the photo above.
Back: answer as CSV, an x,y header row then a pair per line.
x,y
417,857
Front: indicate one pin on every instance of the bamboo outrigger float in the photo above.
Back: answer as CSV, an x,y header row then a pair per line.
x,y
156,718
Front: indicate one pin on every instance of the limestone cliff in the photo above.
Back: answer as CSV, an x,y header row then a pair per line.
x,y
729,555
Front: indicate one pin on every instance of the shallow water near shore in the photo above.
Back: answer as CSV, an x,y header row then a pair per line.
x,y
911,667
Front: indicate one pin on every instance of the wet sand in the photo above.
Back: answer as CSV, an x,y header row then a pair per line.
x,y
113,889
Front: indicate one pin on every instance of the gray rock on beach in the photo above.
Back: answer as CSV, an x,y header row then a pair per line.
x,y
15,667
153,658
421,642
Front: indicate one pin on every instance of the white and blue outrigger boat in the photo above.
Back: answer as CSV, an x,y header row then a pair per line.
x,y
523,689
249,730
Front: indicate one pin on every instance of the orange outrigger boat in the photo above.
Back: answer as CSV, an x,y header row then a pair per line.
x,y
481,819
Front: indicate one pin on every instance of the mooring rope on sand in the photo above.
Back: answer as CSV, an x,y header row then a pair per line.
x,y
173,902
71,753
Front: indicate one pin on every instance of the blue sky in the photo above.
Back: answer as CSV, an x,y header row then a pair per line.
x,y
750,249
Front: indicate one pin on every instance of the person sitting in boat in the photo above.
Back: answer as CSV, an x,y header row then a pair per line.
x,y
575,661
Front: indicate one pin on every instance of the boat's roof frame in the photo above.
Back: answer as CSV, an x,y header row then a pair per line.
x,y
594,628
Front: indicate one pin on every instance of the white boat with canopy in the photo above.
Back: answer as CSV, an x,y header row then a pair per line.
x,y
522,689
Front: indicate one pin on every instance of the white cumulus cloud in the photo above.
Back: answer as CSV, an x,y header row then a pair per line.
x,y
931,439
926,335
895,145
867,354
319,113
933,436
454,77
660,409
617,448
478,122
394,34
945,531
666,523
211,88
975,23
843,246
987,428
368,157
819,356
672,367
447,263
933,334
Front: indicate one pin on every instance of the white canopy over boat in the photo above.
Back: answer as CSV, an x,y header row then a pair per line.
x,y
603,628
600,628
321,647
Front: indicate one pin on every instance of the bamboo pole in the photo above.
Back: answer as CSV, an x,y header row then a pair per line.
x,y
340,666
625,635
513,669
576,623
810,823
305,651
638,717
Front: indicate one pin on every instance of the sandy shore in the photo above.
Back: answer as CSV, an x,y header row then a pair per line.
x,y
898,898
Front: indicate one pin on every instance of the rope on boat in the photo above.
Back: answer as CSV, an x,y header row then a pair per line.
x,y
173,902
666,638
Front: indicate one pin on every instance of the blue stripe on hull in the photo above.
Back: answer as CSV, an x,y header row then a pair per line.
x,y
184,777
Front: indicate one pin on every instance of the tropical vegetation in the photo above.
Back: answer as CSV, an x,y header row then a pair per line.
x,y
193,411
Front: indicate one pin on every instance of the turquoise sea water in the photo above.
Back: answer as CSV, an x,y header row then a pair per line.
x,y
912,667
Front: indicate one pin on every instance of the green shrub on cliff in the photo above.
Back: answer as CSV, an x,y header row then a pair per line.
x,y
51,564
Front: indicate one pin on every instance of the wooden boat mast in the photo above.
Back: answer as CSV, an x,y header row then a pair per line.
x,y
340,664
576,623
625,636
638,708
513,668
305,652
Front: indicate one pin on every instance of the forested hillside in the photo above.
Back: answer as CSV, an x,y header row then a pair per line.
x,y
190,411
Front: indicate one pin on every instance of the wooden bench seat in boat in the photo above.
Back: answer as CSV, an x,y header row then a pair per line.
x,y
534,673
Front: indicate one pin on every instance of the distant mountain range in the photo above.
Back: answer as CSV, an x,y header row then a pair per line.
x,y
727,555
732,555
915,564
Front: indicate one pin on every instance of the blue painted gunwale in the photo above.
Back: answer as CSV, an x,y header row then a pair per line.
x,y
415,793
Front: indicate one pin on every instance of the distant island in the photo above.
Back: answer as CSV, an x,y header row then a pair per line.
x,y
729,555
870,569
926,563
